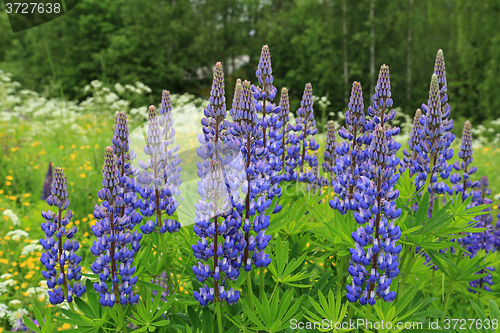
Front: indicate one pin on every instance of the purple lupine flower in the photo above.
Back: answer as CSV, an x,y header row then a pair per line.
x,y
160,176
217,223
350,153
329,156
485,240
413,159
290,144
249,133
462,179
306,128
47,183
236,98
374,262
440,71
380,110
264,93
61,262
215,217
314,187
124,156
116,245
434,140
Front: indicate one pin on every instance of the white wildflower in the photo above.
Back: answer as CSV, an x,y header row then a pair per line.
x,y
33,246
6,276
13,217
17,234
119,88
4,310
14,302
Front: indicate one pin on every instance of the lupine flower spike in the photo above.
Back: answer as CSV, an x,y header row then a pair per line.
x,y
306,127
60,260
290,144
374,262
157,189
221,173
236,98
485,240
124,155
47,183
247,129
329,156
264,93
350,153
461,180
116,245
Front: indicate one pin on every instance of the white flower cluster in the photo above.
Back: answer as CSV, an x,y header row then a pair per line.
x,y
13,217
17,234
32,247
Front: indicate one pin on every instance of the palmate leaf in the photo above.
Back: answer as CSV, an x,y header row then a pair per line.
x,y
282,269
274,316
331,310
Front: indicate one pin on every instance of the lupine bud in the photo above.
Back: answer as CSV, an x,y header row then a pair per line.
x,y
60,260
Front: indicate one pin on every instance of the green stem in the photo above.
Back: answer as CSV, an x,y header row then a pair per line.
x,y
350,312
274,290
261,282
121,318
447,297
219,316
429,176
249,290
368,311
167,262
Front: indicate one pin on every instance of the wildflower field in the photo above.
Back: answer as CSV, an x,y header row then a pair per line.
x,y
237,214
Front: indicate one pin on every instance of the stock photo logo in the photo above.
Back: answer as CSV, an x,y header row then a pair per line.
x,y
24,14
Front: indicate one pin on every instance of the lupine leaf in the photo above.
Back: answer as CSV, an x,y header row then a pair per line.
x,y
31,325
207,320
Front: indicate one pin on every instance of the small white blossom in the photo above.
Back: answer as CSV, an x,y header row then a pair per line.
x,y
13,217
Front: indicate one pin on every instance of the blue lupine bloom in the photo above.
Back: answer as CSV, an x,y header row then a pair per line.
x,y
434,139
380,110
374,261
290,145
306,129
124,156
264,93
485,240
413,159
47,183
350,153
116,245
60,255
440,71
329,156
236,98
461,180
314,187
160,176
217,223
249,133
